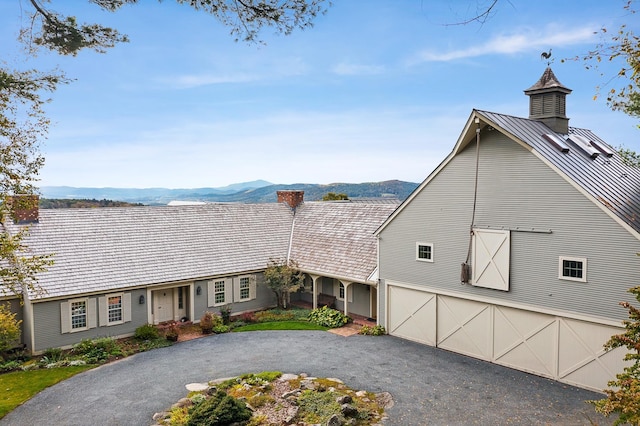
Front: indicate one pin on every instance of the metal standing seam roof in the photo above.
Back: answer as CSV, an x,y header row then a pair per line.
x,y
608,179
338,239
107,249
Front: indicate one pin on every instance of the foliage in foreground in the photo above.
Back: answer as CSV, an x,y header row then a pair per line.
x,y
9,328
317,400
376,330
328,317
623,396
283,277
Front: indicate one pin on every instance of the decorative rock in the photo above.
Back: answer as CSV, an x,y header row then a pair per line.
x,y
334,380
212,391
334,420
182,402
292,417
348,410
360,394
294,392
197,387
344,399
385,400
289,376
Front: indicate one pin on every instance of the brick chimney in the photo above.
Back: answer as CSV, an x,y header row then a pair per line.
x,y
292,198
24,208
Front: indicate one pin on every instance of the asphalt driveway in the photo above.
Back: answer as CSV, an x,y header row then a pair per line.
x,y
429,386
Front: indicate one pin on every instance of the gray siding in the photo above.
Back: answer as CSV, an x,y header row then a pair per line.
x,y
515,190
48,330
361,295
264,299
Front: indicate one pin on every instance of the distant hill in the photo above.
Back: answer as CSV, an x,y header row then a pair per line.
x,y
248,192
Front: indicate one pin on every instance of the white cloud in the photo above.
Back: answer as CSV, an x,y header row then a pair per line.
x,y
524,40
344,68
190,81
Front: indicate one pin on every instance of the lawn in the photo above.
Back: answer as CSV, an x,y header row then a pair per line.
x,y
281,325
19,386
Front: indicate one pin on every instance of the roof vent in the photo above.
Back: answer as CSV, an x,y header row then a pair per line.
x,y
557,142
585,144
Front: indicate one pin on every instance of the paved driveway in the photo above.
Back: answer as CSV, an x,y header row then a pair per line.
x,y
429,386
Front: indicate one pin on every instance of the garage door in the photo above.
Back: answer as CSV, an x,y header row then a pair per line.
x,y
560,348
412,314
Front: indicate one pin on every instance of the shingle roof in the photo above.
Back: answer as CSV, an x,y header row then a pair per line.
x,y
337,238
608,179
112,248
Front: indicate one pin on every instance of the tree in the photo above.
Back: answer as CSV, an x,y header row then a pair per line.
x,y
331,196
23,124
9,328
283,277
623,397
623,47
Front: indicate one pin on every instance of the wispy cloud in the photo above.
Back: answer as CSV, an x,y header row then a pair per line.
x,y
190,81
524,40
344,68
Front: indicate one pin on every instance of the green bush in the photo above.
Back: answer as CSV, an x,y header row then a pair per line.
x,y
9,328
209,321
376,330
220,409
225,313
146,332
97,351
328,317
52,355
9,366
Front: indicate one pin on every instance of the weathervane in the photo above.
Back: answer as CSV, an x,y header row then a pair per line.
x,y
546,55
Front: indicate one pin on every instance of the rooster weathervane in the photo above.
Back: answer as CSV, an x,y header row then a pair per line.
x,y
546,55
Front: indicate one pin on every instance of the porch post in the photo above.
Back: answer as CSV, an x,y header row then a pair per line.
x,y
346,285
314,290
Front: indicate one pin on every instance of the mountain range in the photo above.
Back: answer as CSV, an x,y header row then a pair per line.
x,y
258,191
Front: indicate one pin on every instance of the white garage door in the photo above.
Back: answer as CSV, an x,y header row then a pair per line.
x,y
560,348
412,314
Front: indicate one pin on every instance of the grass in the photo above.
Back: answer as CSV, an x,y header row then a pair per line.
x,y
281,325
19,386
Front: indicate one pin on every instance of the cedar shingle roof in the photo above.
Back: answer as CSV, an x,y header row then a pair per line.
x,y
106,249
337,239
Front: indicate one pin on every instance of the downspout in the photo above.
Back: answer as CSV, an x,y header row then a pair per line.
x,y
465,270
293,225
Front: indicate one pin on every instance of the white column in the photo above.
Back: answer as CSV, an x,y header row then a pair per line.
x,y
346,285
314,290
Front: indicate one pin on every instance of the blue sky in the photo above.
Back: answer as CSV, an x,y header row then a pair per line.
x,y
376,90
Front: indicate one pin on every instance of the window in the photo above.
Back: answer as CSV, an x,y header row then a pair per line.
x,y
218,292
572,269
114,309
180,298
244,288
341,292
78,315
424,252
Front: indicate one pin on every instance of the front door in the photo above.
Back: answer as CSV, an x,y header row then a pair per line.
x,y
163,305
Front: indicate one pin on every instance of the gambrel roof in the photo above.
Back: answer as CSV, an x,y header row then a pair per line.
x,y
598,171
106,249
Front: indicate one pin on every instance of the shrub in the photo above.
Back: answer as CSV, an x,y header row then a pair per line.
x,y
220,409
219,329
376,330
98,350
274,315
51,355
328,317
225,313
248,317
208,321
9,328
172,333
9,366
146,332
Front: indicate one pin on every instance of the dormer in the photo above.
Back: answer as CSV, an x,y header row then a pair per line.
x,y
547,102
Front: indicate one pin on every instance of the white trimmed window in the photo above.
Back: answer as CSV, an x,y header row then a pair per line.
x,y
114,309
572,268
78,315
244,288
424,252
220,292
341,291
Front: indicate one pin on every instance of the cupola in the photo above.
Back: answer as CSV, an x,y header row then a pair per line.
x,y
547,102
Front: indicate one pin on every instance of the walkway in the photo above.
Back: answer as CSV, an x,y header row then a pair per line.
x,y
429,386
